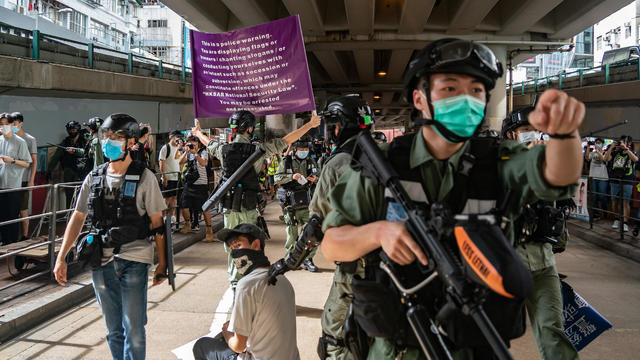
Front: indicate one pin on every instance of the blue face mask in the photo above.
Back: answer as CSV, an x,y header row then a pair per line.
x,y
302,154
15,129
112,149
461,115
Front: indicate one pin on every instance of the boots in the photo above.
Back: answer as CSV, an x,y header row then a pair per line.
x,y
209,235
186,228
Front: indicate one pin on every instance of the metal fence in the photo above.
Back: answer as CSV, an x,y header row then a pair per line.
x,y
51,215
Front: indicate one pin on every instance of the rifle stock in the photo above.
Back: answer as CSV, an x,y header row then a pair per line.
x,y
427,228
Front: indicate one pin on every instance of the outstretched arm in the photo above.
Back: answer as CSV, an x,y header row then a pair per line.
x,y
291,137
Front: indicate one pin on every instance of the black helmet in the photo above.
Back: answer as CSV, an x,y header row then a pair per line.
x,y
379,135
455,56
73,125
17,116
121,123
241,120
516,119
94,123
304,142
351,113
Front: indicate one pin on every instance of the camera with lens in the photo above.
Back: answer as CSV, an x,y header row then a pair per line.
x,y
190,146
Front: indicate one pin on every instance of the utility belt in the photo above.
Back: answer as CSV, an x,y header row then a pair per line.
x,y
240,197
296,199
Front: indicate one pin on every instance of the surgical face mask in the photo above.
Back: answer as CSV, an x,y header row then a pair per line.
x,y
112,149
333,148
527,137
461,115
15,129
302,154
6,129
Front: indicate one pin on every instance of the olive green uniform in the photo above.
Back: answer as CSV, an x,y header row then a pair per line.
x,y
245,216
95,151
544,305
337,305
301,216
357,200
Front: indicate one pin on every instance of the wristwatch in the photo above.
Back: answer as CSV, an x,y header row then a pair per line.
x,y
13,161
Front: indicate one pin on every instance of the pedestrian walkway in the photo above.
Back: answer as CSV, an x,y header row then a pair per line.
x,y
609,282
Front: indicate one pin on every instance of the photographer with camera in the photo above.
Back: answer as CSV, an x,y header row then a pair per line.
x,y
448,83
540,232
196,187
168,164
599,177
623,169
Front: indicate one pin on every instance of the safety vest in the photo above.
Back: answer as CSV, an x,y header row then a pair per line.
x,y
273,166
115,215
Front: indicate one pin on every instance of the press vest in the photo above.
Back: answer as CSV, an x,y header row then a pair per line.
x,y
116,217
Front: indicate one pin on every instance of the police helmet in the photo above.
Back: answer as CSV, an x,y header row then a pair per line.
x,y
242,120
123,124
379,136
515,120
73,125
454,56
304,142
94,123
17,116
351,113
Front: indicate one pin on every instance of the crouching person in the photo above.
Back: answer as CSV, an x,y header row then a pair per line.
x,y
263,319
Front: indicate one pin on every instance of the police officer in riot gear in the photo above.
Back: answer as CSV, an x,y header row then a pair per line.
x,y
72,158
123,203
539,232
448,83
297,174
344,117
94,148
239,205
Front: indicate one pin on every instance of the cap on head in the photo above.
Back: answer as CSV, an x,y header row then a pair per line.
x,y
173,133
253,231
242,120
453,56
122,123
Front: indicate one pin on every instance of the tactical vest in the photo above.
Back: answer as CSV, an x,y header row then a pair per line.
x,y
295,185
476,191
245,193
273,165
116,217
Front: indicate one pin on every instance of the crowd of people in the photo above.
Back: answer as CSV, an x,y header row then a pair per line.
x,y
614,172
504,190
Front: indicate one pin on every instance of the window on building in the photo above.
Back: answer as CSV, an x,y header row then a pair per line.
x,y
616,35
627,31
599,42
99,32
157,23
78,23
158,51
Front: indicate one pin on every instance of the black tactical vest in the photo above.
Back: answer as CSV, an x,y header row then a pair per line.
x,y
476,191
294,185
115,216
245,193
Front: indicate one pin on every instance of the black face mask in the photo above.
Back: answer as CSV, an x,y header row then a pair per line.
x,y
246,260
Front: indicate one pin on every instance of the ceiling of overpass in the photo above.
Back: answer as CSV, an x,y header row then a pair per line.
x,y
364,45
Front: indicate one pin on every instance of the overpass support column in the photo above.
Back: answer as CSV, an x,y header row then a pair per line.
x,y
497,107
279,125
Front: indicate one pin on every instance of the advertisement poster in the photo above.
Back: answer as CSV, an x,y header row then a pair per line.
x,y
580,198
262,69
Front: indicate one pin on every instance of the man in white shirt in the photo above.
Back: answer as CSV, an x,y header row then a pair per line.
x,y
263,319
169,168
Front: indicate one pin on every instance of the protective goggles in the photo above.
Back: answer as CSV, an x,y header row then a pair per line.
x,y
461,50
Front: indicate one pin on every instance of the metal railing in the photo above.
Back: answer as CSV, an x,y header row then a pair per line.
x,y
611,73
88,54
596,197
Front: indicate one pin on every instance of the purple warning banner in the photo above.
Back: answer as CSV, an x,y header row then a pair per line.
x,y
262,69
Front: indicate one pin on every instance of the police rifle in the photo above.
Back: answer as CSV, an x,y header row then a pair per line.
x,y
224,188
428,228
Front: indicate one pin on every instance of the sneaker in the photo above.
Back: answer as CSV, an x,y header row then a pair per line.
x,y
309,265
625,227
195,228
616,224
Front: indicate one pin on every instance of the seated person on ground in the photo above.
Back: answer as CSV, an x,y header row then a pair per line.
x,y
263,319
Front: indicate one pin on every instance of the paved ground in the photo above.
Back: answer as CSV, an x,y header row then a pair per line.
x,y
609,282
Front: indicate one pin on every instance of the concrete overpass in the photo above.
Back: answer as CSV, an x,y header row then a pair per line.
x,y
364,45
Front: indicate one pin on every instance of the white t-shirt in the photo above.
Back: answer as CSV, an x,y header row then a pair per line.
x,y
597,169
170,163
202,170
266,315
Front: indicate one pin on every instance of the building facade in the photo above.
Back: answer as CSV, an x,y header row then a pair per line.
x,y
618,30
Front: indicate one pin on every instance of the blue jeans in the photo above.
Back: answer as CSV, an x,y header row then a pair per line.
x,y
121,290
600,196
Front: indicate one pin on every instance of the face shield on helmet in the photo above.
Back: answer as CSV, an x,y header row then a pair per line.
x,y
344,117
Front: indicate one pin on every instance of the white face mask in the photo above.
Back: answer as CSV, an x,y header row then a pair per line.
x,y
527,137
6,129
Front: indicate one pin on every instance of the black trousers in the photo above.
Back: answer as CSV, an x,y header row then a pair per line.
x,y
215,348
10,210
